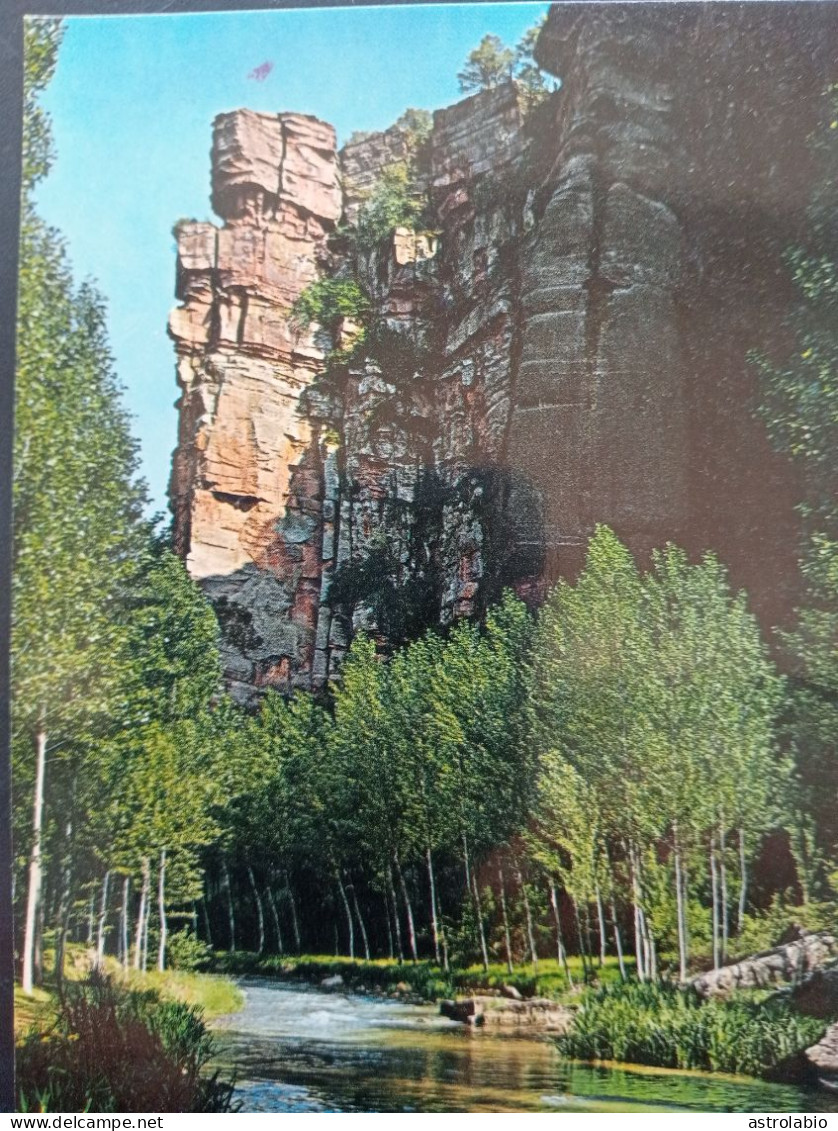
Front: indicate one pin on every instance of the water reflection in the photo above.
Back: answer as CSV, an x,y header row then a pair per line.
x,y
298,1049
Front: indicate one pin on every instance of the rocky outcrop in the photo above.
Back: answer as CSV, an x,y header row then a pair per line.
x,y
531,1014
789,963
564,342
817,994
822,1059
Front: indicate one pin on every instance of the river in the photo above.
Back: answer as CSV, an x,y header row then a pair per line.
x,y
298,1048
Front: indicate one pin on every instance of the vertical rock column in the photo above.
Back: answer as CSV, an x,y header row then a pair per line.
x,y
247,486
599,421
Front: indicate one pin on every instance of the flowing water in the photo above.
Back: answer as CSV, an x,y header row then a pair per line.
x,y
296,1048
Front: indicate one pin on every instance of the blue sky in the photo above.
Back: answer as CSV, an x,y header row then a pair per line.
x,y
132,104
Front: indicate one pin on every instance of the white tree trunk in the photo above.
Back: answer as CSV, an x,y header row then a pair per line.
x,y
33,894
161,907
142,915
101,921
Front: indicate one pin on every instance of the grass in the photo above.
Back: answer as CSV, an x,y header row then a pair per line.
x,y
668,1027
110,1048
424,979
214,995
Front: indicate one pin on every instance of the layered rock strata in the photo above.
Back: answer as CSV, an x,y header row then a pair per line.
x,y
563,341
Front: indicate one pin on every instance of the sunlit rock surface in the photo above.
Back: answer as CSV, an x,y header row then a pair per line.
x,y
574,317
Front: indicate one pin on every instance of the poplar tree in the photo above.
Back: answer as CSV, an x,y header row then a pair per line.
x,y
77,504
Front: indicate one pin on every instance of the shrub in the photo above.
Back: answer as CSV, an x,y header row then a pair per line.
x,y
187,952
393,203
112,1049
327,301
669,1027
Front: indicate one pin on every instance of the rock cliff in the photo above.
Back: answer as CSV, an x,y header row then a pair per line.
x,y
558,338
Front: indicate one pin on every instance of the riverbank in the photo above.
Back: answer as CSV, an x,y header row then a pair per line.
x,y
423,981
214,994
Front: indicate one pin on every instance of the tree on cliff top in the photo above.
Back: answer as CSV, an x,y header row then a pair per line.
x,y
488,65
492,63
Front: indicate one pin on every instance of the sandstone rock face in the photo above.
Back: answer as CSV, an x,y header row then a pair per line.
x,y
248,471
564,343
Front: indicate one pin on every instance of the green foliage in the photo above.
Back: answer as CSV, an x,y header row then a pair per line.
x,y
41,40
492,63
187,952
328,302
416,125
673,1028
120,1050
393,203
487,66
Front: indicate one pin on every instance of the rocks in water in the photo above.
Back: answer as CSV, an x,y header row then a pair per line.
x,y
332,983
787,963
533,1013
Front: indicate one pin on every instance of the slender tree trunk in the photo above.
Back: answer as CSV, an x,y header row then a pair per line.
x,y
295,924
714,895
205,917
142,914
432,886
723,892
64,905
679,897
275,917
650,947
231,915
390,947
471,882
411,929
348,911
91,919
145,931
582,952
362,925
743,882
260,911
638,928
123,923
101,921
33,894
618,942
161,910
527,914
601,919
397,924
506,934
554,903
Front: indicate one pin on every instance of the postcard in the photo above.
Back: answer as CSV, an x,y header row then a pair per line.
x,y
425,561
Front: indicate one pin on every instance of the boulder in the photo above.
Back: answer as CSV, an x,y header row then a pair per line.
x,y
823,1059
540,1014
512,992
787,963
817,994
332,983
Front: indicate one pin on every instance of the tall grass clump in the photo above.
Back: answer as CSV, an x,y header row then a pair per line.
x,y
669,1027
117,1049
